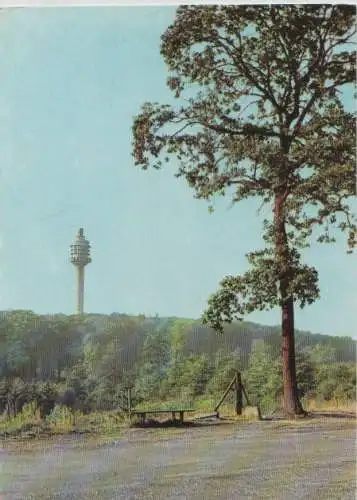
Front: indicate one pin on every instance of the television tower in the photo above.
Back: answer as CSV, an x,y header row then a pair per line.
x,y
80,257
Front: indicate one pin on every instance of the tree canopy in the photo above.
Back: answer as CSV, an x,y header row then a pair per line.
x,y
259,114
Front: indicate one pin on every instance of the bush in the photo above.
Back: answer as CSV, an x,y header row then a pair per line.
x,y
46,395
25,420
336,381
223,372
61,419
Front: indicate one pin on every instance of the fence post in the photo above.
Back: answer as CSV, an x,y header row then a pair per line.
x,y
129,402
239,393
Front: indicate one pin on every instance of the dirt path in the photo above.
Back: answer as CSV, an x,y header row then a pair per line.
x,y
312,460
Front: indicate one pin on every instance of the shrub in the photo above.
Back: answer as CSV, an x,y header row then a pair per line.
x,y
25,420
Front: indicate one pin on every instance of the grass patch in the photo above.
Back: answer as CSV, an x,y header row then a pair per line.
x,y
61,421
27,420
333,405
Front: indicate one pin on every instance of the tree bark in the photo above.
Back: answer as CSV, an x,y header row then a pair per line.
x,y
291,402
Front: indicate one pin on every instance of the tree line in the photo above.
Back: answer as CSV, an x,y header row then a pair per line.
x,y
88,362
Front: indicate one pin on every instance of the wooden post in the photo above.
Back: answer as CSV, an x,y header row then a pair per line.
x,y
122,400
129,401
230,387
239,394
246,396
249,404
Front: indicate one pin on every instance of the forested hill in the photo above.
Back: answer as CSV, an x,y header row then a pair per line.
x,y
70,333
199,339
162,358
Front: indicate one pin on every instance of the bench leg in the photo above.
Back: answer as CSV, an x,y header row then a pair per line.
x,y
181,417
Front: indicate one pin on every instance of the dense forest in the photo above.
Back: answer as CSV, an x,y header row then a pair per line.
x,y
89,361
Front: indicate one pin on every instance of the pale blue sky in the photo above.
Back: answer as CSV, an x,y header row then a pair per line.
x,y
71,82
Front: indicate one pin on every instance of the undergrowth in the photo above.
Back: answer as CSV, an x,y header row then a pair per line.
x,y
61,420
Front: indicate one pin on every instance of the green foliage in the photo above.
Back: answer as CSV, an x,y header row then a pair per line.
x,y
45,395
188,377
37,347
258,289
23,421
322,354
102,396
263,376
305,373
154,359
61,419
223,371
171,362
262,113
266,80
336,381
259,114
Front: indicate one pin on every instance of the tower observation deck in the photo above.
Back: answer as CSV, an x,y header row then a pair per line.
x,y
80,257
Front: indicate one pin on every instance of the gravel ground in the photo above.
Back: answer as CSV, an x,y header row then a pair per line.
x,y
262,460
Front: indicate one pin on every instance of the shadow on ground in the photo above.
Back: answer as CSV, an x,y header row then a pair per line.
x,y
199,422
345,415
332,414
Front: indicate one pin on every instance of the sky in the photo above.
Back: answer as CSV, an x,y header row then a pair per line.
x,y
71,82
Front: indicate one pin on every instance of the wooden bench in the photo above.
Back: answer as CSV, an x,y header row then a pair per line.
x,y
142,413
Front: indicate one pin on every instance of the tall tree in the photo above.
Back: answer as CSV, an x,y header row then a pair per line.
x,y
259,114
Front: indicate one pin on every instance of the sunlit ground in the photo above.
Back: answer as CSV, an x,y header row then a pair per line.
x,y
312,459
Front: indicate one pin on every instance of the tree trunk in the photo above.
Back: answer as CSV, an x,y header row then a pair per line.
x,y
291,403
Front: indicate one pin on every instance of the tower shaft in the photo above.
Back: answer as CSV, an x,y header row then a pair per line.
x,y
80,257
80,289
